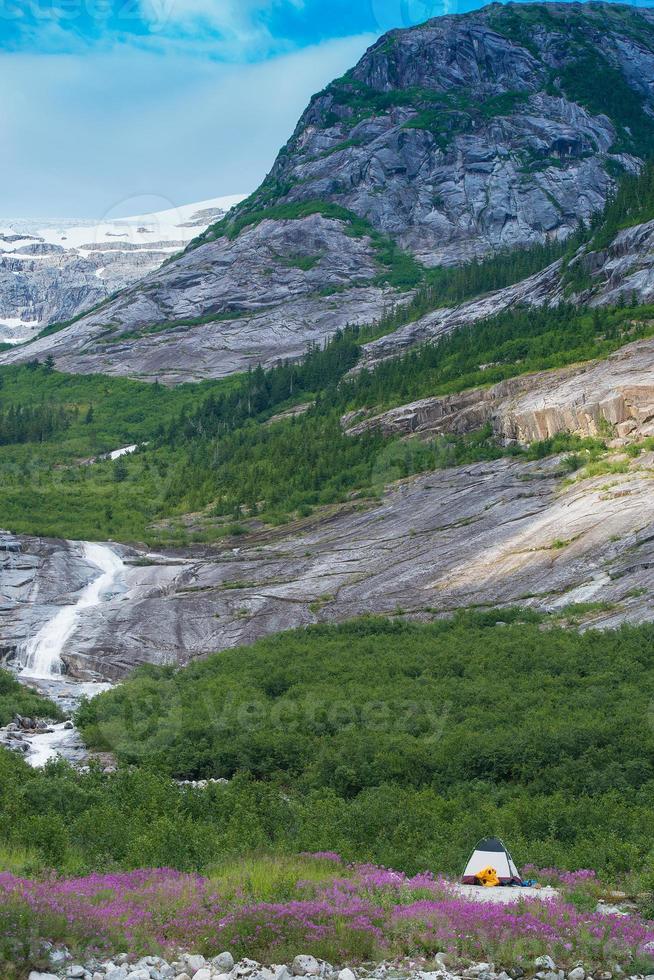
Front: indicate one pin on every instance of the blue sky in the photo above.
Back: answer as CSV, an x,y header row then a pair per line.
x,y
117,106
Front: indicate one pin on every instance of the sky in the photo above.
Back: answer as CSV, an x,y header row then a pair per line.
x,y
117,107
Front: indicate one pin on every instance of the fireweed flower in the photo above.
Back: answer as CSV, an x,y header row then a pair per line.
x,y
361,912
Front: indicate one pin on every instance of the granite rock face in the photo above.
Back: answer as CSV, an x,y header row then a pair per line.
x,y
450,140
264,301
623,271
464,135
489,533
614,395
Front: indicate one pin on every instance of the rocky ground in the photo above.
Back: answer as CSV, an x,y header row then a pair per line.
x,y
614,395
222,967
265,305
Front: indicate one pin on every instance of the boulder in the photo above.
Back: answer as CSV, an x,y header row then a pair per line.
x,y
223,962
116,973
305,966
194,963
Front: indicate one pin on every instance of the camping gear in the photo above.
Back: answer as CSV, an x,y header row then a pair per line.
x,y
488,878
491,853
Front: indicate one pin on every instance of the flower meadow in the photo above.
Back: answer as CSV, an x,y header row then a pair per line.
x,y
271,909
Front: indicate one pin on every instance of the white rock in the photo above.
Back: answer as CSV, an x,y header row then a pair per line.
x,y
35,975
346,974
75,972
182,976
545,961
204,973
116,973
245,966
224,962
577,974
194,963
142,973
305,966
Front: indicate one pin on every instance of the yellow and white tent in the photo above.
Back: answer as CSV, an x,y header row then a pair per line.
x,y
491,853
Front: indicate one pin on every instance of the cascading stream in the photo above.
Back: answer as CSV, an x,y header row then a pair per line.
x,y
42,654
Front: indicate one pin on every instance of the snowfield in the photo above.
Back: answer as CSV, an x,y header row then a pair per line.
x,y
53,270
177,224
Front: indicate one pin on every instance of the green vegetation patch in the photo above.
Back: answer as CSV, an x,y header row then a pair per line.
x,y
386,741
16,699
209,454
510,344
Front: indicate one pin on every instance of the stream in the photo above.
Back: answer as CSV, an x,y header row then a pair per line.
x,y
42,667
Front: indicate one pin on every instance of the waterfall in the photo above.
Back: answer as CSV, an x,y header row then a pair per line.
x,y
42,654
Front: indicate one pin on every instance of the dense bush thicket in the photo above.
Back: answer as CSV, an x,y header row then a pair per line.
x,y
390,742
444,705
17,699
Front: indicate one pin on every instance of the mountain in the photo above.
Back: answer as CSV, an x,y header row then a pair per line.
x,y
469,135
487,436
55,270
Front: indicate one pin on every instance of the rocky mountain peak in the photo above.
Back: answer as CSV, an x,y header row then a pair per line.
x,y
479,131
460,138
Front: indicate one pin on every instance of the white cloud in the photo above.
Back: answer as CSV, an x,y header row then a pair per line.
x,y
239,23
82,135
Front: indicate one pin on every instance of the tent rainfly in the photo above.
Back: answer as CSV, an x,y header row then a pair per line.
x,y
491,852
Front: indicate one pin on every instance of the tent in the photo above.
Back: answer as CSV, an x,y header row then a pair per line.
x,y
491,852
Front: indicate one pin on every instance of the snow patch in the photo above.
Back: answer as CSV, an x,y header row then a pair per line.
x,y
179,224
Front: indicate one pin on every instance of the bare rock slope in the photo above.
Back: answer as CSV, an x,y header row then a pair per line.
x,y
498,533
614,395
